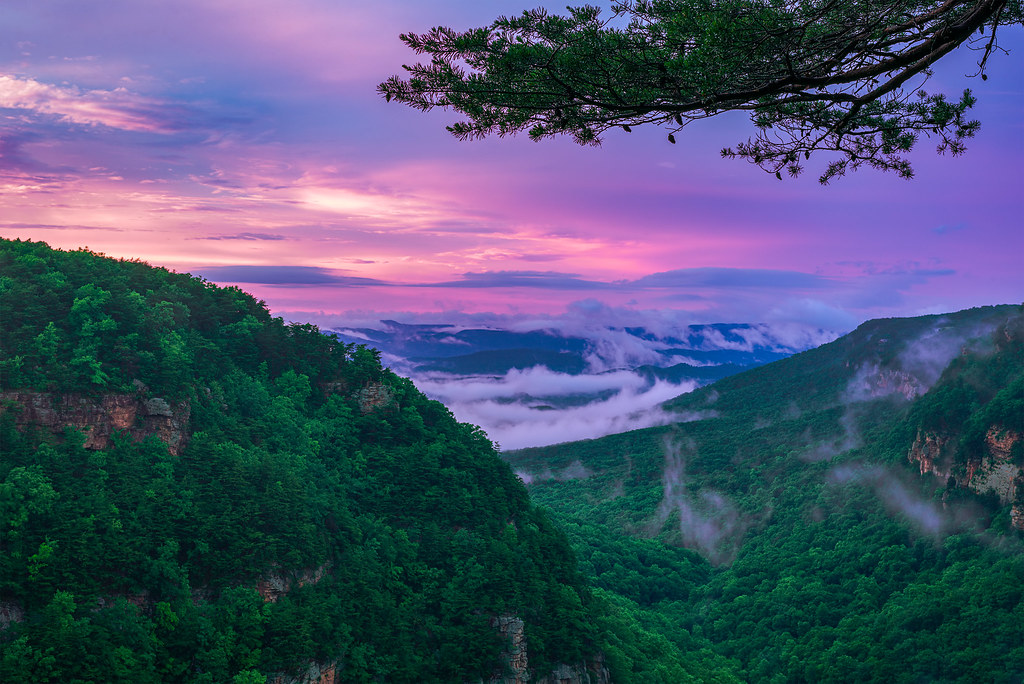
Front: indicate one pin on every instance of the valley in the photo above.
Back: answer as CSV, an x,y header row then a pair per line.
x,y
194,490
834,516
544,381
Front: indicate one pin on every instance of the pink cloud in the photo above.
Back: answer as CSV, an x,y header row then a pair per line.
x,y
118,108
277,131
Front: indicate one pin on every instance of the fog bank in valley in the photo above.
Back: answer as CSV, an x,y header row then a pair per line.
x,y
533,380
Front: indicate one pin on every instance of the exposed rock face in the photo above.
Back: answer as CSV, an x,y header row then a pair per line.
x,y
10,611
930,452
100,417
1017,516
374,397
592,671
511,628
1000,442
316,673
882,383
996,470
276,584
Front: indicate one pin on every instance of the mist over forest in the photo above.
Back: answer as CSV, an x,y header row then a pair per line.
x,y
640,342
545,380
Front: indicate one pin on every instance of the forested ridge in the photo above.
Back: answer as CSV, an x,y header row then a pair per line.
x,y
323,515
851,513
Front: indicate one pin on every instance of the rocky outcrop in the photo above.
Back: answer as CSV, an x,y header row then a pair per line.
x,y
276,584
10,611
1017,516
933,453
1000,443
374,397
873,382
516,658
101,416
592,671
996,470
316,673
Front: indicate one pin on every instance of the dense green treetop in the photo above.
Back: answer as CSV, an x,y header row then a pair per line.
x,y
81,323
783,532
835,76
779,536
395,533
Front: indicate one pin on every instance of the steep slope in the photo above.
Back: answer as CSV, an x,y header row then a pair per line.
x,y
798,525
192,490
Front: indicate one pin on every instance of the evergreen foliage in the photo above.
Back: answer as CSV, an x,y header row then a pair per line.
x,y
395,533
784,534
779,535
842,78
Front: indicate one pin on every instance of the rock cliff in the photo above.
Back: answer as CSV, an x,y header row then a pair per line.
x,y
933,453
517,659
137,415
316,673
374,397
883,383
101,416
275,584
995,469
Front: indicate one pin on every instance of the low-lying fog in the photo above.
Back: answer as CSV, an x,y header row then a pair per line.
x,y
549,380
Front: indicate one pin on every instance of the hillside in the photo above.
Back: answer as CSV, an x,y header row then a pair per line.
x,y
850,513
192,490
531,382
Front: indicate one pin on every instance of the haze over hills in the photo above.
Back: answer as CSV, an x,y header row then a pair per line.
x,y
193,491
850,513
542,382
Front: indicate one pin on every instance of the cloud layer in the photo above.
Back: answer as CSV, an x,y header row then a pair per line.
x,y
248,144
500,405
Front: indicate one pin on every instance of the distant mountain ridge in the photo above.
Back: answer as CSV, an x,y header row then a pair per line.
x,y
854,512
424,346
570,380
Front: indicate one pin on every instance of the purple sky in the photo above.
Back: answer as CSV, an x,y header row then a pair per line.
x,y
243,140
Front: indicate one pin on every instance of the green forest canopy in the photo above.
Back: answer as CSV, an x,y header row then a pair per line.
x,y
397,534
833,558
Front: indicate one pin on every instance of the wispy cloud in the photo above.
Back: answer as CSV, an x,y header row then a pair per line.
x,y
243,236
902,496
515,424
12,225
695,278
733,278
283,275
118,108
548,280
709,522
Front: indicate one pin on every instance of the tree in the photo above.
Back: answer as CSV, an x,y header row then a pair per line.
x,y
839,76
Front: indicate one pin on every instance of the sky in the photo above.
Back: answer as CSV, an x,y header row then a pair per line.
x,y
243,140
